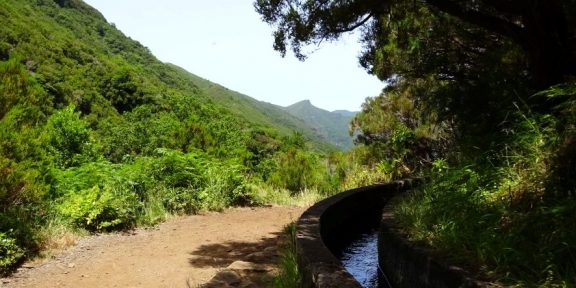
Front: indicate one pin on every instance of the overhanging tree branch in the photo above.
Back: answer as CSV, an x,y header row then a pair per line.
x,y
354,26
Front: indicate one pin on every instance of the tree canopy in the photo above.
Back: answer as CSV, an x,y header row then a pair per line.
x,y
545,30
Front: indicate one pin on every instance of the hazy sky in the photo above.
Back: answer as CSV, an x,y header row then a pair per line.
x,y
225,42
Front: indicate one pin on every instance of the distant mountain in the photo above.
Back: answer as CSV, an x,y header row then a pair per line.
x,y
332,126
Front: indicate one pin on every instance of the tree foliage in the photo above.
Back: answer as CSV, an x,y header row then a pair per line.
x,y
401,137
543,29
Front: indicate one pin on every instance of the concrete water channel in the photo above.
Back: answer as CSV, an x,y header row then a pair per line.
x,y
351,240
344,225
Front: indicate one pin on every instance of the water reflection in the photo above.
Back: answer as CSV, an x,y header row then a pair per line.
x,y
360,258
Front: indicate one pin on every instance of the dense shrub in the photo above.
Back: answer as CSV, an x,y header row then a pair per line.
x,y
224,186
180,200
295,170
175,169
100,209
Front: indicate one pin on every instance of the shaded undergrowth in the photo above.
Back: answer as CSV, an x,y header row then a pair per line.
x,y
504,215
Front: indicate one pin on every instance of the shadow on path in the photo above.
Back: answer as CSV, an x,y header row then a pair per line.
x,y
264,251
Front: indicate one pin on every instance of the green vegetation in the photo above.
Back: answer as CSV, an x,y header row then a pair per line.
x,y
97,135
480,102
289,276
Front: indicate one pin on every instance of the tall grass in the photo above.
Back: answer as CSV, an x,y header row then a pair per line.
x,y
499,216
289,276
267,194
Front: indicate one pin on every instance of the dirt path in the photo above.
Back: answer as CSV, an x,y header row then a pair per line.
x,y
186,251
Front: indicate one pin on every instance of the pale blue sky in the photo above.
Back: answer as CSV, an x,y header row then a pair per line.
x,y
225,42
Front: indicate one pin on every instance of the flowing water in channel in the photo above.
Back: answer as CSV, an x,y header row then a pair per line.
x,y
360,258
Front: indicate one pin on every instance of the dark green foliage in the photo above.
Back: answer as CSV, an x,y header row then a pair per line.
x,y
519,240
13,84
123,90
563,176
400,137
542,29
261,144
63,3
504,211
21,91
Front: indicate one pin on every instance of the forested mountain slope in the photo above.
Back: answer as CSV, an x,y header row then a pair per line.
x,y
129,66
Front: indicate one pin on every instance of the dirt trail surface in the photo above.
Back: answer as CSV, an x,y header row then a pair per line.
x,y
183,252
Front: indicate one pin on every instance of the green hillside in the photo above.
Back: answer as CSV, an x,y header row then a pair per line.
x,y
332,126
259,112
96,134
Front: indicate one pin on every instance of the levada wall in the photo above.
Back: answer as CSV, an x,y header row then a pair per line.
x,y
327,227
